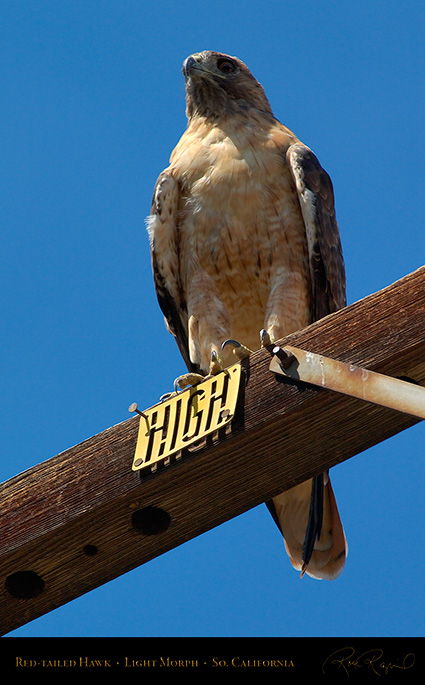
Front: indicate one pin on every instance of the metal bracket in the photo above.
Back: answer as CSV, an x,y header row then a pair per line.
x,y
349,379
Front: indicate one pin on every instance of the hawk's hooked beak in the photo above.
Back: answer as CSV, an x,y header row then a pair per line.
x,y
191,64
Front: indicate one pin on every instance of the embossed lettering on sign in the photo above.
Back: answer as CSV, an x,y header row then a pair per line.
x,y
186,418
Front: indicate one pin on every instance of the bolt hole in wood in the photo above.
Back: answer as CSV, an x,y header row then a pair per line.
x,y
24,584
151,520
90,550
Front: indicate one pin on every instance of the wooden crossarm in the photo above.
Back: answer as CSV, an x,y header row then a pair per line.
x,y
83,517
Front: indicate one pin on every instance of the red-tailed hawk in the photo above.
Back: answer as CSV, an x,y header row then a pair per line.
x,y
244,238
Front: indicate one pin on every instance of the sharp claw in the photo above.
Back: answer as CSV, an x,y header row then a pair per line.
x,y
265,338
240,351
167,396
235,343
215,364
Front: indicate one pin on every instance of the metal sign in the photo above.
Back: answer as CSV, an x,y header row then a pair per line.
x,y
186,418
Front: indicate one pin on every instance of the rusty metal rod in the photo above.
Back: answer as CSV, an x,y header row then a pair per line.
x,y
349,379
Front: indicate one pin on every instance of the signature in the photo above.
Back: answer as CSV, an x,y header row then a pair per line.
x,y
372,660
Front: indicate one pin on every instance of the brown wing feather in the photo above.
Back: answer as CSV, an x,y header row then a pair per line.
x,y
316,196
163,234
171,315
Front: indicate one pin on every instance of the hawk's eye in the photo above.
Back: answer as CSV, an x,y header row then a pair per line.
x,y
226,66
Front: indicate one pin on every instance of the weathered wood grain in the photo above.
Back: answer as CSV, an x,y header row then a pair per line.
x,y
74,521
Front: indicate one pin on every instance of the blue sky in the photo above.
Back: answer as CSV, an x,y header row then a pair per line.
x,y
92,105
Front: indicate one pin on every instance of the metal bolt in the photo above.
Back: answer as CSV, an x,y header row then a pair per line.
x,y
133,408
285,358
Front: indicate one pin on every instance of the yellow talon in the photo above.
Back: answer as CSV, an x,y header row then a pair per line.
x,y
240,351
215,364
188,379
265,338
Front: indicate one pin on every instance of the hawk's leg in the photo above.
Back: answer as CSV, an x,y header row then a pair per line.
x,y
208,324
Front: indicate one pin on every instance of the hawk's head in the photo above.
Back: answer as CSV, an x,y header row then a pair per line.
x,y
217,84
